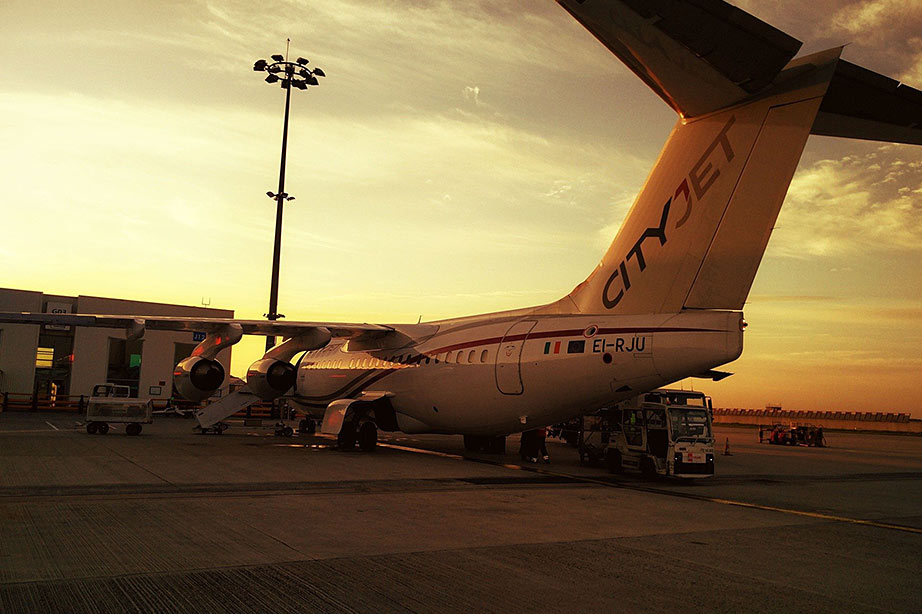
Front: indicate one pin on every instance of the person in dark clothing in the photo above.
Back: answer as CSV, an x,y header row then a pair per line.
x,y
533,445
540,446
528,446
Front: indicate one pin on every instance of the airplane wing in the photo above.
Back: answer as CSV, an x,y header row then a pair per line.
x,y
698,55
367,333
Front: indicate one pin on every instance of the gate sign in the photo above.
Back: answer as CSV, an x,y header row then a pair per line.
x,y
57,308
197,336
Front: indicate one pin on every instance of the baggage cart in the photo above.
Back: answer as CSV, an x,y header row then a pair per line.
x,y
110,405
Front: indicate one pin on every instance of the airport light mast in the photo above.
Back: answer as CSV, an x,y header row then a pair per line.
x,y
287,74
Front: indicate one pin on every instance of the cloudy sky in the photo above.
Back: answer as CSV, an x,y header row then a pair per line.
x,y
460,157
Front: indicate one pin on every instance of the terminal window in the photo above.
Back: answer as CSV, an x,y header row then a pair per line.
x,y
44,358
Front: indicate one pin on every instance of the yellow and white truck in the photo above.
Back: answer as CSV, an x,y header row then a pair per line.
x,y
663,432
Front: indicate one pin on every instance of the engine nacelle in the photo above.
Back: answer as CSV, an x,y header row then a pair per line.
x,y
197,378
270,378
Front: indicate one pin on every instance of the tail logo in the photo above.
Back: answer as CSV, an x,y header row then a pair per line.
x,y
701,177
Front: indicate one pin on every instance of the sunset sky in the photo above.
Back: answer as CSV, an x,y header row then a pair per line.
x,y
459,158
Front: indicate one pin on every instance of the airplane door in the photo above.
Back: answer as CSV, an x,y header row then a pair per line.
x,y
509,358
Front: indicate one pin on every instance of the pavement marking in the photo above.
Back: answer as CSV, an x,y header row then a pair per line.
x,y
17,431
768,508
422,451
52,426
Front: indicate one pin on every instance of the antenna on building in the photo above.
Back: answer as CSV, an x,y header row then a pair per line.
x,y
206,303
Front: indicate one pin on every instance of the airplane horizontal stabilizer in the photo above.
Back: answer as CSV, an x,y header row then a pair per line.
x,y
862,104
698,55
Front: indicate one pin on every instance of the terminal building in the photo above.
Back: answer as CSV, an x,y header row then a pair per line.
x,y
67,360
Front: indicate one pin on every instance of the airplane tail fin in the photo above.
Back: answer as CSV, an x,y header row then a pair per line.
x,y
696,234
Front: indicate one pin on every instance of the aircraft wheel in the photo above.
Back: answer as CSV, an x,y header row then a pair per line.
x,y
368,436
346,438
133,429
496,445
287,431
92,428
307,426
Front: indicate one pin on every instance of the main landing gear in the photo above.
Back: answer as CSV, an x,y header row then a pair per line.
x,y
485,443
365,434
307,426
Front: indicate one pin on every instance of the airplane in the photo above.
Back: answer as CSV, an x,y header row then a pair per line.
x,y
665,301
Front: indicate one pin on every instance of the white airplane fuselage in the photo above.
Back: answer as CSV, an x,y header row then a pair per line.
x,y
507,372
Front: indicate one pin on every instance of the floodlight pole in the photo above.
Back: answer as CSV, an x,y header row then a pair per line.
x,y
298,75
277,249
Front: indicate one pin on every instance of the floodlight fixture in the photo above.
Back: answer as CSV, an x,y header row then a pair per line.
x,y
278,57
303,61
270,78
259,65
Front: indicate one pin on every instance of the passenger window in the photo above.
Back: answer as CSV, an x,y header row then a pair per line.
x,y
483,356
470,356
427,360
458,357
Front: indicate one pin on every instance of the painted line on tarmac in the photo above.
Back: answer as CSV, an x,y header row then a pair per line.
x,y
52,426
770,508
17,431
757,506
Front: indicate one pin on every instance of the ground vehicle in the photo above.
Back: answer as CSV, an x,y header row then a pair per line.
x,y
110,404
802,435
595,432
663,432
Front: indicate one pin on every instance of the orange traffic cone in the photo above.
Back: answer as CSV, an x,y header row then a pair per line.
x,y
727,448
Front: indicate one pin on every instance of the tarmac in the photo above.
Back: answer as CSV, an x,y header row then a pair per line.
x,y
172,521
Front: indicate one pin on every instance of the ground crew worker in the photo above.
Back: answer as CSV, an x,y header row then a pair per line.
x,y
541,448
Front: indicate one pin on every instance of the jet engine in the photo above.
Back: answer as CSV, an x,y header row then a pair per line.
x,y
270,378
197,378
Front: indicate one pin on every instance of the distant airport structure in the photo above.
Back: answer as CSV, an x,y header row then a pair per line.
x,y
67,360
